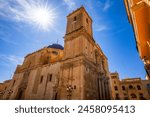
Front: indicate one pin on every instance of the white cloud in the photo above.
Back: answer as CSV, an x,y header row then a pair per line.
x,y
107,5
70,4
34,12
11,59
101,28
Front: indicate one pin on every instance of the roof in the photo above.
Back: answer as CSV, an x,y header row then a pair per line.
x,y
81,8
56,46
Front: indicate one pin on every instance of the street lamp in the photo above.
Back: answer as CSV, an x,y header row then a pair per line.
x,y
69,91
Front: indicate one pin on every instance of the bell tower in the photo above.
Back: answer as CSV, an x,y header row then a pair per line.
x,y
79,70
78,34
78,48
77,20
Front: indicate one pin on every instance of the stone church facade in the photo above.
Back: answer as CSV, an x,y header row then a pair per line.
x,y
79,71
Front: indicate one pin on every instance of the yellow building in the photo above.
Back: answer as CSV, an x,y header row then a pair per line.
x,y
129,88
138,12
77,71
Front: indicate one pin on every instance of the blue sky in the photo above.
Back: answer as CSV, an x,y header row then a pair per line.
x,y
21,35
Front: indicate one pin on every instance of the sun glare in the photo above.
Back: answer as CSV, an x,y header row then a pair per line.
x,y
38,13
42,16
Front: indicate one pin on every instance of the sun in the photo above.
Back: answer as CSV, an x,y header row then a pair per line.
x,y
38,14
42,16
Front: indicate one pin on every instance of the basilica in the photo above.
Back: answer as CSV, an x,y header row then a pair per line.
x,y
77,71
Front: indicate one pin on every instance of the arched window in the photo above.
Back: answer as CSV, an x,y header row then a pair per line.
x,y
75,18
123,88
141,96
138,87
55,52
148,86
49,77
133,95
117,96
41,80
116,88
87,20
130,87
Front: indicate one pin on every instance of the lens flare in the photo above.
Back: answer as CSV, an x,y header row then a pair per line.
x,y
42,16
37,13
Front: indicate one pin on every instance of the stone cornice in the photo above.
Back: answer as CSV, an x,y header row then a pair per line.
x,y
76,33
77,61
35,67
82,9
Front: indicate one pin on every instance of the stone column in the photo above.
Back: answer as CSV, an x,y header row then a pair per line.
x,y
103,89
100,88
105,85
108,86
82,81
107,89
60,84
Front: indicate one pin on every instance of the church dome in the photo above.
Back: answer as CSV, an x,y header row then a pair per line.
x,y
56,46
